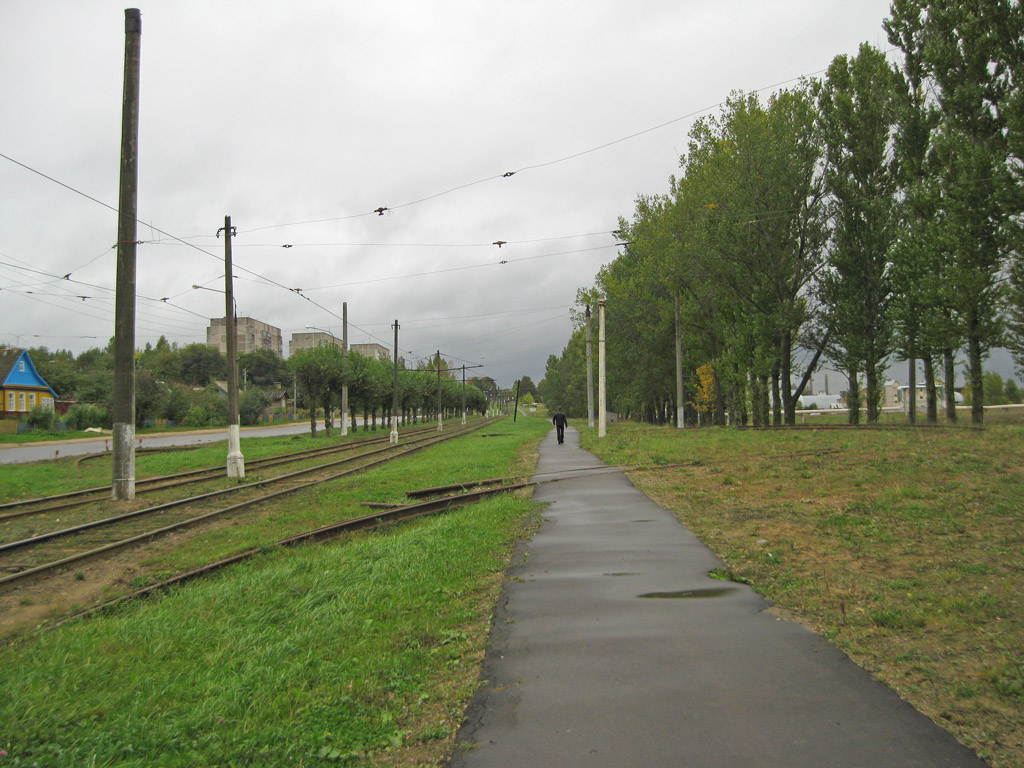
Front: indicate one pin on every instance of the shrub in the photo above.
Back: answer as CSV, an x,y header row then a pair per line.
x,y
175,403
197,416
251,404
41,418
81,417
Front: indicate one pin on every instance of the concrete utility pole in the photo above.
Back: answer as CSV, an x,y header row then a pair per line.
x,y
123,409
235,461
680,395
344,387
463,394
439,429
602,400
590,376
394,396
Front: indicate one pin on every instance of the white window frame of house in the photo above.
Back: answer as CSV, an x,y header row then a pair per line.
x,y
21,401
21,366
31,400
10,401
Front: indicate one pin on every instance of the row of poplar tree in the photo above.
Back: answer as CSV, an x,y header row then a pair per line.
x,y
321,372
870,215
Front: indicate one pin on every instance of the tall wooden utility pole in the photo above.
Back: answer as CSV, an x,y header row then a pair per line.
x,y
602,399
344,387
236,461
123,409
680,397
590,376
394,396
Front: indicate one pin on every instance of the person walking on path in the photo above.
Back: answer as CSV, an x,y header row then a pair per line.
x,y
559,420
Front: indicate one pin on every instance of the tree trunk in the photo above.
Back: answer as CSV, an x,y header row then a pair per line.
x,y
328,416
912,392
776,400
931,399
852,396
950,377
876,390
788,401
719,417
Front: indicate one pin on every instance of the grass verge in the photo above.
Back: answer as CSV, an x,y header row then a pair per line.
x,y
359,652
904,547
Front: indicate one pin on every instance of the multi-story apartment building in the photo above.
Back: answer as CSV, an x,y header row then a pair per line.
x,y
252,335
312,339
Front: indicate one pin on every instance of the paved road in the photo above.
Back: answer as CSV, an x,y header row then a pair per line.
x,y
612,647
16,453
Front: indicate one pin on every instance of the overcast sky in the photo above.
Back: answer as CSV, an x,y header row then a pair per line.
x,y
299,119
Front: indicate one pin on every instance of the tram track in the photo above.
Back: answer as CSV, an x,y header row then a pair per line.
x,y
73,499
60,548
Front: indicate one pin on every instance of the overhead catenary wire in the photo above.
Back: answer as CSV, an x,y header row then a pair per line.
x,y
458,269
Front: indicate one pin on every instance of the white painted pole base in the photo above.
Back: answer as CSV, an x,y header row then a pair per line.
x,y
123,485
394,430
236,461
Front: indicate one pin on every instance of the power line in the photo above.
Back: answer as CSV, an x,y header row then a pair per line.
x,y
489,244
456,269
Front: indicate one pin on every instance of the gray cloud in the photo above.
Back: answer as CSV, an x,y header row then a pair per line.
x,y
277,113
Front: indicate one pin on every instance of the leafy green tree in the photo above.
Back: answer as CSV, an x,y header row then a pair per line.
x,y
1011,391
965,51
857,106
57,369
551,388
526,387
163,361
201,364
263,368
148,394
318,372
752,231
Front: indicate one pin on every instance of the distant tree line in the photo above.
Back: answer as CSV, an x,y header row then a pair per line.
x,y
177,384
871,215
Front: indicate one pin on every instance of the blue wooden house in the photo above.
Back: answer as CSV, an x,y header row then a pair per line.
x,y
21,386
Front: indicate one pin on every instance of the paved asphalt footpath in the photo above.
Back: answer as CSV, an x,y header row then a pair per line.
x,y
612,647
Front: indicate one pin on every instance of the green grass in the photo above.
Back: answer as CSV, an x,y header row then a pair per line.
x,y
360,651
